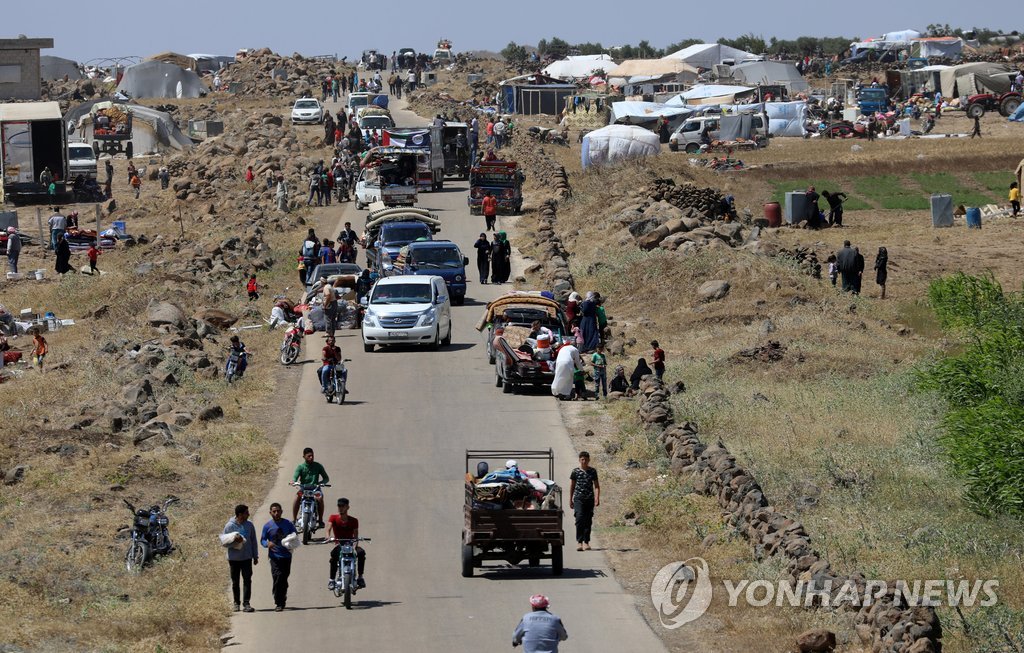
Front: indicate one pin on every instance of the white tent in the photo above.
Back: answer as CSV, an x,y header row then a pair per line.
x,y
770,72
901,36
156,79
617,142
706,55
948,48
580,66
704,91
786,118
632,113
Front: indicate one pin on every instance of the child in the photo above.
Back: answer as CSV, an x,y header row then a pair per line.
x,y
658,358
249,176
833,269
39,349
1015,198
93,254
600,363
579,385
253,288
136,184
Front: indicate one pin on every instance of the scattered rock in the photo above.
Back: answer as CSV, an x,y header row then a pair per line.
x,y
160,313
713,290
818,640
211,413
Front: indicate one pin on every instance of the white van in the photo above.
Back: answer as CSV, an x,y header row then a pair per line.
x,y
408,310
81,160
687,136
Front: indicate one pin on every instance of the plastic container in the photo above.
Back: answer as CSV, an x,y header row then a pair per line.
x,y
773,213
973,217
796,207
39,274
120,226
14,276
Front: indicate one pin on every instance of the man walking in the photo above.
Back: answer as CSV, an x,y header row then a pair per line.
x,y
489,206
846,264
658,358
243,553
13,249
58,225
274,531
584,496
539,631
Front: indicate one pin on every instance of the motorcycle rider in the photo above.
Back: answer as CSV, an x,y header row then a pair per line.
x,y
310,472
343,526
330,357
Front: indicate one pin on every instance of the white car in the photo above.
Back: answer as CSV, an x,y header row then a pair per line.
x,y
408,310
307,110
367,188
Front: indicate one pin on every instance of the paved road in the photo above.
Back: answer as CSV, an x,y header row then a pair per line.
x,y
396,450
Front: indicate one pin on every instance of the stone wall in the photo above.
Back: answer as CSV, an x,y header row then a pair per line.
x,y
888,625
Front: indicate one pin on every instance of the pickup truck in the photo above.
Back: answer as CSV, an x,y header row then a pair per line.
x,y
511,515
520,309
440,258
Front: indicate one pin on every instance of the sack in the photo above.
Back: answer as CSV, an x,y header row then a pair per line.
x,y
308,247
291,542
231,540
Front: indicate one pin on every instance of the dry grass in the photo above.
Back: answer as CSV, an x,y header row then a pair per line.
x,y
833,431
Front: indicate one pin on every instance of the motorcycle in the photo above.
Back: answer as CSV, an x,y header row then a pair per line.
x,y
149,535
308,521
335,386
235,367
291,347
345,580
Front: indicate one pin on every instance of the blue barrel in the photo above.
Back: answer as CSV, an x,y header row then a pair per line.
x,y
973,217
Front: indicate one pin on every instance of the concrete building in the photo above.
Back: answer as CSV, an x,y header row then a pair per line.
x,y
20,74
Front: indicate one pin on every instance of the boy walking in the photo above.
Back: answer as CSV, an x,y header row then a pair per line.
x,y
584,496
252,288
242,555
600,363
93,254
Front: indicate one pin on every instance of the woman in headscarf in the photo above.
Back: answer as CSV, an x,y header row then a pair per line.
x,y
572,306
588,323
497,256
566,364
619,383
506,256
63,265
640,371
882,268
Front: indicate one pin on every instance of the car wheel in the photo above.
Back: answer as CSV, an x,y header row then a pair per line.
x,y
692,148
367,347
436,344
459,301
497,380
507,388
448,338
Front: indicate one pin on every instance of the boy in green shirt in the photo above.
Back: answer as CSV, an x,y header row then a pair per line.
x,y
309,472
600,363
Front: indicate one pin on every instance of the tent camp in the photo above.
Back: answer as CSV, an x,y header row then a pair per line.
x,y
617,142
717,93
152,130
971,78
53,68
157,79
939,46
781,73
654,68
580,66
706,55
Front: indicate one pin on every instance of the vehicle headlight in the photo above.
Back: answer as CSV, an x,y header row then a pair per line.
x,y
370,319
458,277
428,317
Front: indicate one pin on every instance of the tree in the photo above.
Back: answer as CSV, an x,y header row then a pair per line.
x,y
645,50
747,42
514,54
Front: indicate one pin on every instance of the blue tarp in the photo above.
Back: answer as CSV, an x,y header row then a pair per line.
x,y
380,101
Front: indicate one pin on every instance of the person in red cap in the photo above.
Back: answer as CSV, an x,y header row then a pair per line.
x,y
539,631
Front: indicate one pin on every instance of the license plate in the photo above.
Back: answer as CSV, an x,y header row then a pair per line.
x,y
397,334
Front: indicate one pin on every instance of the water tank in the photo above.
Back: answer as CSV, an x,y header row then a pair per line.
x,y
973,217
773,213
796,207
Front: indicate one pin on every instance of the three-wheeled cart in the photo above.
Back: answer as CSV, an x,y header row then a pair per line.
x,y
511,534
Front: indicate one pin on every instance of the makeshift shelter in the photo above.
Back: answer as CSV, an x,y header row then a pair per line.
x,y
939,46
719,93
786,118
211,62
152,130
157,79
770,73
173,58
533,94
706,55
53,68
618,142
971,78
579,67
654,68
641,113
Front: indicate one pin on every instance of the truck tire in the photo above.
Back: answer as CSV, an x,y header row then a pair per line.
x,y
556,560
467,561
1008,106
459,301
975,110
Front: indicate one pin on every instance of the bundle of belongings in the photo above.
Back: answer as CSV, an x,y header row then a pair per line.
x,y
80,239
512,489
285,312
111,120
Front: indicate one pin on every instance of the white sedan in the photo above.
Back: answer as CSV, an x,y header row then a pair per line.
x,y
307,110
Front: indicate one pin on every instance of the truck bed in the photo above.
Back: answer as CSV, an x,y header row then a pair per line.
x,y
483,526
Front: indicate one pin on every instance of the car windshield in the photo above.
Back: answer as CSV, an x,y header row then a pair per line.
x,y
334,268
437,257
401,293
358,101
306,104
80,152
404,235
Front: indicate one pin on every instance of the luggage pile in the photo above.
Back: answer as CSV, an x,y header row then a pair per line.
x,y
111,120
511,489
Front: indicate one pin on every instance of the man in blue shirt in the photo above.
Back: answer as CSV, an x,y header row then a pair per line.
x,y
274,531
539,631
242,555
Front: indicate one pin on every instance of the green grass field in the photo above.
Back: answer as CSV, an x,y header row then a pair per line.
x,y
945,182
997,182
853,203
890,193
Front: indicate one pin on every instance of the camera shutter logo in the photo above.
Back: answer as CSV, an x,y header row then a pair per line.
x,y
681,592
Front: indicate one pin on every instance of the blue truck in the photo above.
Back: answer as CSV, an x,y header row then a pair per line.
x,y
441,258
873,99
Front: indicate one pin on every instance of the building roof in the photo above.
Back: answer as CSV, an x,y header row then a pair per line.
x,y
25,44
30,111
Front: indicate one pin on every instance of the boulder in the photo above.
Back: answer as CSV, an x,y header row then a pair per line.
x,y
713,290
211,413
216,317
138,393
651,239
160,313
818,640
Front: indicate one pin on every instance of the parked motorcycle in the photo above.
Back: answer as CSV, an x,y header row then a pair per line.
x,y
345,580
291,347
235,367
338,378
309,521
149,535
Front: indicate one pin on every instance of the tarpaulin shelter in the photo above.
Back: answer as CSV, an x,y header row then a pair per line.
x,y
786,118
533,94
654,68
152,130
53,68
211,62
157,79
618,142
939,46
770,73
957,81
706,55
579,67
706,91
181,60
638,113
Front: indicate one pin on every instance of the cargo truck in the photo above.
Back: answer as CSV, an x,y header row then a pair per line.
x,y
33,137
